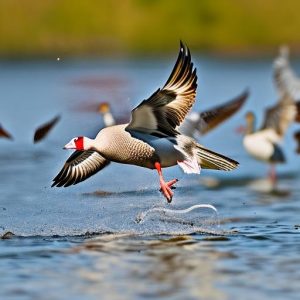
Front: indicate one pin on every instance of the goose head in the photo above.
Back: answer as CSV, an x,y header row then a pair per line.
x,y
282,60
250,121
104,110
249,128
284,51
80,143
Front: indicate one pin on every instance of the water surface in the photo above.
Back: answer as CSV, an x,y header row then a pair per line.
x,y
84,242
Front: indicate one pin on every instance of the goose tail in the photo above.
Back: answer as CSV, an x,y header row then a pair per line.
x,y
209,159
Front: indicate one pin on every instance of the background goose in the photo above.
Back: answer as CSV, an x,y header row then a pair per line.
x,y
199,123
5,134
195,123
264,144
108,118
285,79
40,133
297,138
151,139
43,130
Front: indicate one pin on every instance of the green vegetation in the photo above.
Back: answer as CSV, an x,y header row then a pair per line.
x,y
31,28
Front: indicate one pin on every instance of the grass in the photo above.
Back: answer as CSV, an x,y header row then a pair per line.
x,y
33,28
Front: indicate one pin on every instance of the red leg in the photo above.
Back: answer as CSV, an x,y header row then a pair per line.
x,y
273,175
172,182
165,187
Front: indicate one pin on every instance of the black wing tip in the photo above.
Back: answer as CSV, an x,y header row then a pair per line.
x,y
245,94
184,48
239,100
55,119
60,180
233,164
183,67
55,182
195,78
36,139
62,183
184,53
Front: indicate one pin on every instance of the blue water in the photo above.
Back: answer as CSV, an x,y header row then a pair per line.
x,y
83,242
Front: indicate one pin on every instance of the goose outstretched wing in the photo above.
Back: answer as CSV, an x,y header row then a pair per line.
x,y
80,166
167,107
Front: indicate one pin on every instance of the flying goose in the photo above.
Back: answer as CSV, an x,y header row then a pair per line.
x,y
195,123
4,133
43,130
199,123
39,134
151,139
286,81
264,143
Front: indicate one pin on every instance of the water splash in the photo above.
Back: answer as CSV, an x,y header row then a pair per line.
x,y
175,215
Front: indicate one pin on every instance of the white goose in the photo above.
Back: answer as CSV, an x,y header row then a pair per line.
x,y
264,144
151,139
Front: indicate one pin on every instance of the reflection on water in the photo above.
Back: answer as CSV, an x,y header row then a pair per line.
x,y
83,242
118,266
166,266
